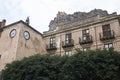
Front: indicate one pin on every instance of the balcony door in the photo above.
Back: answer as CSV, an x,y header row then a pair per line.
x,y
68,38
52,42
106,30
85,34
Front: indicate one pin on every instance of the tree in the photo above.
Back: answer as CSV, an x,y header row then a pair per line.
x,y
36,67
90,65
93,65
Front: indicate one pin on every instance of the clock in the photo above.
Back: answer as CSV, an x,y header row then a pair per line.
x,y
12,33
26,35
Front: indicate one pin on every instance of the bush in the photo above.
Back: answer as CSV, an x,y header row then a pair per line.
x,y
90,65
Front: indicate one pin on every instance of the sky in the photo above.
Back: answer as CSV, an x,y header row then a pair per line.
x,y
41,12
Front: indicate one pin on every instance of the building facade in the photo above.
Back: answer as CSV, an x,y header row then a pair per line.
x,y
92,30
19,40
96,29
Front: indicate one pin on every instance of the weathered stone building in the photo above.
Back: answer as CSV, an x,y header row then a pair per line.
x,y
96,29
92,30
19,40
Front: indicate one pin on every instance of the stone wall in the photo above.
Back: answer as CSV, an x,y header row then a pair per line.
x,y
8,45
17,47
94,31
84,17
34,45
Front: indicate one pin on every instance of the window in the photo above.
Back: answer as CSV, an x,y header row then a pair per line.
x,y
68,53
106,30
0,56
68,38
52,42
86,49
108,46
85,34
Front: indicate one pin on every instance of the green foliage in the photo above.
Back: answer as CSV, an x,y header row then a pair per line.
x,y
36,67
90,65
93,65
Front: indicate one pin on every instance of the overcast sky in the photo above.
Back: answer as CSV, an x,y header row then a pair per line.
x,y
42,11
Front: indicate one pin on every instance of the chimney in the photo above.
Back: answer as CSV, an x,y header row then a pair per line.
x,y
2,24
28,20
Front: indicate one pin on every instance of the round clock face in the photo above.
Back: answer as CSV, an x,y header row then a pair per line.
x,y
26,35
13,33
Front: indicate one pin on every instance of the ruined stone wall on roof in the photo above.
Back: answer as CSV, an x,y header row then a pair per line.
x,y
62,19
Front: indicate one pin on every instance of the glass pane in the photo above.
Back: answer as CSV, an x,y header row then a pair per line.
x,y
66,53
84,38
67,42
106,27
54,45
52,40
106,46
110,45
70,53
84,32
87,31
68,36
85,49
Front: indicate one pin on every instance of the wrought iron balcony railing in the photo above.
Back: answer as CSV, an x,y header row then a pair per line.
x,y
68,43
107,35
51,47
86,40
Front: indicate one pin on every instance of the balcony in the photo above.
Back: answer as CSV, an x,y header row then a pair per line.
x,y
68,43
107,35
85,40
51,47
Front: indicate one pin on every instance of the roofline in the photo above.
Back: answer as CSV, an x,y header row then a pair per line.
x,y
83,25
21,21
